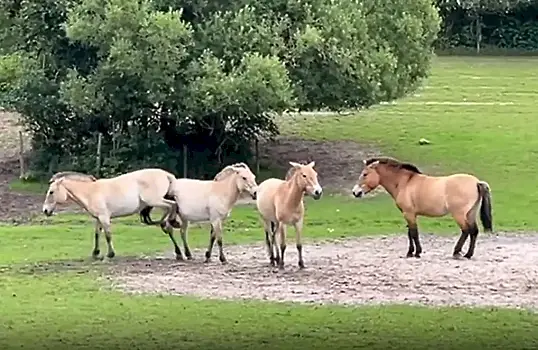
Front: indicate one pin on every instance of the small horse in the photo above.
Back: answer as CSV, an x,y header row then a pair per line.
x,y
417,194
280,203
207,201
119,196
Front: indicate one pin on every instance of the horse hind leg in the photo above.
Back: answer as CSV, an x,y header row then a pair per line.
x,y
473,233
169,230
96,251
461,220
184,227
472,228
170,207
104,222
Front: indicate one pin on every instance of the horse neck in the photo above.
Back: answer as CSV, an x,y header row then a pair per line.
x,y
390,180
78,191
229,191
295,193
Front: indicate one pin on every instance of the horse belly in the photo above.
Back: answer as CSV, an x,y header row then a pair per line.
x,y
194,211
127,204
430,206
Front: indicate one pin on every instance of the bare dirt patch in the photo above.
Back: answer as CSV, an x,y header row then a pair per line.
x,y
338,163
14,207
357,271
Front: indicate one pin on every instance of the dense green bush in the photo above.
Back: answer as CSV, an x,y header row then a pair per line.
x,y
153,76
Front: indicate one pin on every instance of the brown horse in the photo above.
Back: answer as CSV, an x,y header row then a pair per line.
x,y
417,194
280,203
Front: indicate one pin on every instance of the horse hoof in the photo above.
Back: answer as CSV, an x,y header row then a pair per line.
x,y
189,257
207,260
409,255
456,256
179,257
467,256
301,265
110,255
417,255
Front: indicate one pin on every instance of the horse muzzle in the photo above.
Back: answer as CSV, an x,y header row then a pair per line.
x,y
358,194
317,194
47,212
254,195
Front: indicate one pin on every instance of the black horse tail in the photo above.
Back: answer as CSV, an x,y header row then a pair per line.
x,y
486,217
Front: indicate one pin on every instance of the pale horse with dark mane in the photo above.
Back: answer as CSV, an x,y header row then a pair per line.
x,y
119,196
201,201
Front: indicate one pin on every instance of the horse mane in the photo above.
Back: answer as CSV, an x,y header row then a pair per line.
x,y
291,171
228,170
394,163
73,175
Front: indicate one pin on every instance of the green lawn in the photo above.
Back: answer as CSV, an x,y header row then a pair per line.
x,y
492,138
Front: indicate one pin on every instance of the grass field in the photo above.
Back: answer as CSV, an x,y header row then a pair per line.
x,y
479,115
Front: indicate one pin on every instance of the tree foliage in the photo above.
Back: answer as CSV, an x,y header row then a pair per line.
x,y
503,24
154,75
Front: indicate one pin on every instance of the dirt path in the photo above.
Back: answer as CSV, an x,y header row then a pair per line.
x,y
504,272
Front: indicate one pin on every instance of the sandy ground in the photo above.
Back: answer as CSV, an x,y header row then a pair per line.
x,y
503,272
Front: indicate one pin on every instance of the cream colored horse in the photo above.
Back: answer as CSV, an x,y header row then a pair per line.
x,y
119,196
208,201
280,203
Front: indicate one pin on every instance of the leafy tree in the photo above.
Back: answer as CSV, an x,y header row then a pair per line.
x,y
153,76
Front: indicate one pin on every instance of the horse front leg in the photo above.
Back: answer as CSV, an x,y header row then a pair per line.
x,y
96,251
412,233
274,242
218,234
282,239
298,243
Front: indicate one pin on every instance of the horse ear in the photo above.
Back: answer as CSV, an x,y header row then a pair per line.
x,y
312,164
364,161
295,165
374,164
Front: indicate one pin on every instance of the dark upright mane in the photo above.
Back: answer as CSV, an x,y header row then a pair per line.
x,y
394,163
291,171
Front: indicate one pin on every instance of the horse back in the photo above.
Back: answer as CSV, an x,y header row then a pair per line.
x,y
438,195
143,182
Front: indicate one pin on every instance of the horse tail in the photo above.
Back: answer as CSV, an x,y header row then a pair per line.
x,y
171,178
484,193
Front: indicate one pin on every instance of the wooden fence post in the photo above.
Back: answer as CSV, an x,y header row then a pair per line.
x,y
185,157
21,156
98,155
257,156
